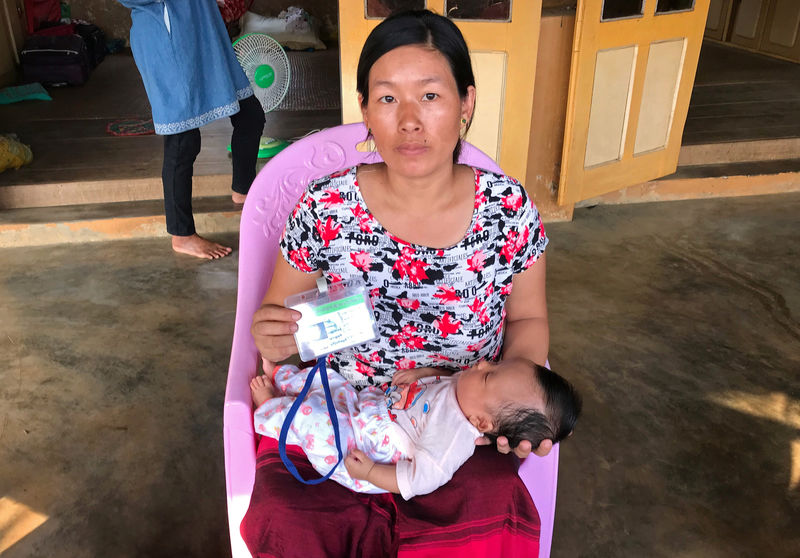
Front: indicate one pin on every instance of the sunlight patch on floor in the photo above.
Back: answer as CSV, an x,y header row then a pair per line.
x,y
16,522
777,407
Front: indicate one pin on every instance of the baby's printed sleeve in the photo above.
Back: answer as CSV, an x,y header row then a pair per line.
x,y
526,241
299,246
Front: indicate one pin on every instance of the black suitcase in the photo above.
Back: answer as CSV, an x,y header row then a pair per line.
x,y
55,60
95,42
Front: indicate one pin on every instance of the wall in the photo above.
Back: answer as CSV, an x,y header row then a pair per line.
x,y
8,63
110,16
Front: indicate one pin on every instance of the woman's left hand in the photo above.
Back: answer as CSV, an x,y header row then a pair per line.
x,y
522,450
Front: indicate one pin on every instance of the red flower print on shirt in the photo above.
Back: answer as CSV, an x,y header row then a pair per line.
x,y
330,198
408,337
476,262
299,258
514,242
361,260
365,369
478,308
374,357
447,295
441,358
477,227
334,278
477,346
405,364
489,290
407,266
480,199
328,231
364,219
506,290
445,325
512,202
408,303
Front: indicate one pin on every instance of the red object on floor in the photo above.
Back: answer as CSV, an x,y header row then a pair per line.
x,y
484,511
38,12
234,9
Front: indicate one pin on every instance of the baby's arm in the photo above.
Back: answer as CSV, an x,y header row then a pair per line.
x,y
403,377
362,467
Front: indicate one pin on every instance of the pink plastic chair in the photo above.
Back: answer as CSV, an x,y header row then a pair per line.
x,y
273,195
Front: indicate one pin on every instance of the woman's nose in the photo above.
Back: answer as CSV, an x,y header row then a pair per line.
x,y
409,119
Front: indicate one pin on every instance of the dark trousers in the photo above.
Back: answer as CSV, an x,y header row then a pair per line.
x,y
181,150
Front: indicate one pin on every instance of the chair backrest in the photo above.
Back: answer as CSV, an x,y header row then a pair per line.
x,y
272,196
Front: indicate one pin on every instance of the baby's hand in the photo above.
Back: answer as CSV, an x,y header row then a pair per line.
x,y
358,464
405,377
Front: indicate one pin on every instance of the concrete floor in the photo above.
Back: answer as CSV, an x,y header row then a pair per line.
x,y
678,322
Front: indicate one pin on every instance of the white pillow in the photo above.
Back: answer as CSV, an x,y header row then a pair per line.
x,y
276,28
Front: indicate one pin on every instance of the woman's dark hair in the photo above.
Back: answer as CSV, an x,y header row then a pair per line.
x,y
563,406
417,27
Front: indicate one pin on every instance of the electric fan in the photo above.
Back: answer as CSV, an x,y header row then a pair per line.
x,y
267,67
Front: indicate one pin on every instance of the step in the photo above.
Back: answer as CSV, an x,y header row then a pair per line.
x,y
710,181
109,221
739,152
117,190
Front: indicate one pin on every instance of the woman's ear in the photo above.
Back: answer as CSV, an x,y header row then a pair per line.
x,y
468,104
363,108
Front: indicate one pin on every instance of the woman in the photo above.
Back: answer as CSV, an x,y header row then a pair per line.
x,y
192,78
454,261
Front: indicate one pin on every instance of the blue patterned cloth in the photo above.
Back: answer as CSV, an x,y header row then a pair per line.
x,y
188,66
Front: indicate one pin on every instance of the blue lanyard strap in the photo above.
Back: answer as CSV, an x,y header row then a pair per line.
x,y
287,423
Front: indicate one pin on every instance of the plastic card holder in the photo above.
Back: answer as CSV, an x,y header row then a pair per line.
x,y
335,317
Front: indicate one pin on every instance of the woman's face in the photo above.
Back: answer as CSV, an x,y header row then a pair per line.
x,y
414,110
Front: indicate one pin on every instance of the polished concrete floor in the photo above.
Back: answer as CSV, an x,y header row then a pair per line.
x,y
678,322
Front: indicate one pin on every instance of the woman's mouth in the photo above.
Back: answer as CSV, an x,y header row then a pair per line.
x,y
411,148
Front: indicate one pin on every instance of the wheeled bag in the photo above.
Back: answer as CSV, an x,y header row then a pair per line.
x,y
55,60
95,42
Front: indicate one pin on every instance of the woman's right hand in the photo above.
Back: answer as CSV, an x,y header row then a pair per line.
x,y
273,331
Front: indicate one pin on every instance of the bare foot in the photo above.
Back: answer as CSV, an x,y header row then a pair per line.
x,y
196,245
238,198
262,390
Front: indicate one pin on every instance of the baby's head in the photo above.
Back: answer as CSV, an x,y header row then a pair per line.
x,y
518,399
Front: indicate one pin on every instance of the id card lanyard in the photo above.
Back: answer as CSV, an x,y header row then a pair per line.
x,y
287,423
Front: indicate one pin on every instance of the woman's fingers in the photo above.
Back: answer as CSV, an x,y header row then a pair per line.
x,y
523,449
273,330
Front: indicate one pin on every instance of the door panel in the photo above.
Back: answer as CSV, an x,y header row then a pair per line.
x,y
782,29
504,62
630,84
717,21
748,23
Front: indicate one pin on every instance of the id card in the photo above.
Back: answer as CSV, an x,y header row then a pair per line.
x,y
334,319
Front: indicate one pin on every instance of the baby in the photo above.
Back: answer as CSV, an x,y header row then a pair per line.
x,y
411,438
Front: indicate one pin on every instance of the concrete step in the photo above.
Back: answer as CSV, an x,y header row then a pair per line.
x,y
739,151
711,181
117,190
109,221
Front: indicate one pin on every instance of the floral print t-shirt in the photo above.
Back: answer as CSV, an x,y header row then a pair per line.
x,y
434,307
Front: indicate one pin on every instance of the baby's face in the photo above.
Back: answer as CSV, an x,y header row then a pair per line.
x,y
488,386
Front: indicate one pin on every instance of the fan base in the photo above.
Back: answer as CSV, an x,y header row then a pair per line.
x,y
269,147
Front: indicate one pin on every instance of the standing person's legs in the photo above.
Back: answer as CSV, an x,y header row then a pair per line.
x,y
180,152
248,125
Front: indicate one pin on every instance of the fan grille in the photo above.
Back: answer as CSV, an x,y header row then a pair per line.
x,y
257,49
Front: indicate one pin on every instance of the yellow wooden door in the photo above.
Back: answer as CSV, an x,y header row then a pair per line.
x,y
631,77
504,62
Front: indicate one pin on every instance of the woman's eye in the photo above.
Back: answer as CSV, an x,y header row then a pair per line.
x,y
430,96
386,99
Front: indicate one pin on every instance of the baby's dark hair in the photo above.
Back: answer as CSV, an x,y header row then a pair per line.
x,y
563,405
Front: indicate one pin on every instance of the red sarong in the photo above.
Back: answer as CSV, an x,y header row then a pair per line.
x,y
484,511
